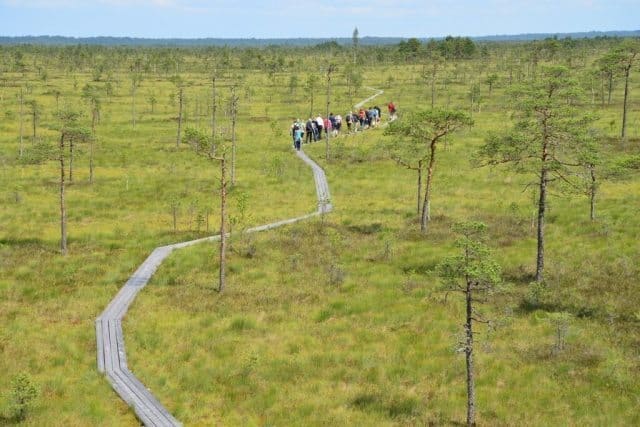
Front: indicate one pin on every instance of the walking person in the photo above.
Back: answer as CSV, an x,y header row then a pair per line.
x,y
297,137
349,119
327,126
294,127
309,134
320,125
392,110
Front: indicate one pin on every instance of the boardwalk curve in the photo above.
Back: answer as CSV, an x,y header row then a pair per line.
x,y
111,354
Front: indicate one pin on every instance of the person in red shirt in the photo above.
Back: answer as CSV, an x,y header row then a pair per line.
x,y
392,110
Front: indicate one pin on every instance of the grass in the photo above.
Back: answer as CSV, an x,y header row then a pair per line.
x,y
338,323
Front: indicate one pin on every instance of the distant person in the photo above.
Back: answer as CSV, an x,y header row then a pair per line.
x,y
379,113
309,134
392,110
297,137
338,120
294,127
349,119
327,126
320,125
372,114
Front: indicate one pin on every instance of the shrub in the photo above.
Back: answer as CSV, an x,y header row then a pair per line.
x,y
21,397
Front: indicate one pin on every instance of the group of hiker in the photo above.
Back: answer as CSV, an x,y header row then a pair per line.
x,y
362,119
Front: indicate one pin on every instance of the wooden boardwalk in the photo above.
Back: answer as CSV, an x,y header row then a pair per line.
x,y
112,358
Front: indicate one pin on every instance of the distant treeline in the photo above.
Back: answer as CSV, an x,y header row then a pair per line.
x,y
253,42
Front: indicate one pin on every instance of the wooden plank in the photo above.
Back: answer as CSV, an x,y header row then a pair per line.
x,y
144,413
99,345
108,360
160,411
122,355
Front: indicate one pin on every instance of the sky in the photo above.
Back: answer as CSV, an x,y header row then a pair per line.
x,y
303,18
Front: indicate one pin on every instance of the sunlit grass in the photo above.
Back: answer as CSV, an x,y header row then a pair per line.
x,y
334,324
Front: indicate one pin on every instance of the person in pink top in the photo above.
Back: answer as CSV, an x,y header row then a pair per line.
x,y
327,126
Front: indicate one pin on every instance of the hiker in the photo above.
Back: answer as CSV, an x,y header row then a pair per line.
x,y
308,127
392,110
320,125
332,120
361,118
349,119
294,127
327,126
338,126
379,113
373,119
297,138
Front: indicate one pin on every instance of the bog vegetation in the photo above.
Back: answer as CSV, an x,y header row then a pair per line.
x,y
348,319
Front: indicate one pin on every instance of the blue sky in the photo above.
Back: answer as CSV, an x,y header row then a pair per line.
x,y
302,18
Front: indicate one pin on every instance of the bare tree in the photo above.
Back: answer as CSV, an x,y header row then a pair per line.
x,y
91,96
310,88
21,121
35,115
428,127
234,118
223,220
330,69
180,107
545,140
472,273
71,131
355,39
214,108
136,79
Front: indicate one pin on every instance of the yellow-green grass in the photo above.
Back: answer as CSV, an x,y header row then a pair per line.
x,y
338,324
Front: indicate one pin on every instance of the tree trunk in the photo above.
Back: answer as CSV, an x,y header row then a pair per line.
x,y
180,103
63,212
433,85
610,88
592,193
471,391
542,206
426,206
234,118
70,160
326,130
94,119
420,162
223,237
34,118
213,114
133,106
627,71
21,122
197,112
